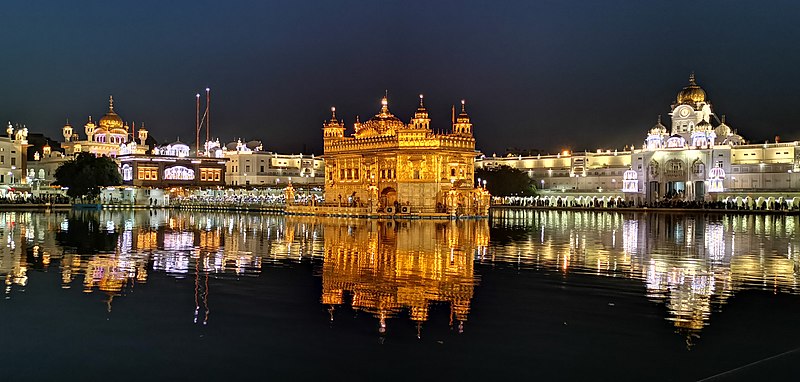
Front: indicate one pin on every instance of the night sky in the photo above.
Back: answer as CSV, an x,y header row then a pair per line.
x,y
535,74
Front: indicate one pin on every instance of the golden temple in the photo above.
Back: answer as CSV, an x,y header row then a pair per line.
x,y
388,166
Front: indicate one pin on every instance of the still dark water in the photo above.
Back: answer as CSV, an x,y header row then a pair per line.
x,y
171,295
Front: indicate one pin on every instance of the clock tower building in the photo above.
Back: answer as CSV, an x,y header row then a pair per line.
x,y
690,109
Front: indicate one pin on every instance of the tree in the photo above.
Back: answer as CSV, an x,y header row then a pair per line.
x,y
85,175
506,181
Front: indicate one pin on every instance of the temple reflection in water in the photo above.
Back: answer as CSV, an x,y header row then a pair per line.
x,y
388,267
690,263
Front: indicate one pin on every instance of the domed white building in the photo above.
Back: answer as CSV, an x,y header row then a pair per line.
x,y
699,157
110,136
701,148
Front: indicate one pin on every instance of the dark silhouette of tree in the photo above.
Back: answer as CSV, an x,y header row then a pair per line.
x,y
506,181
86,234
87,174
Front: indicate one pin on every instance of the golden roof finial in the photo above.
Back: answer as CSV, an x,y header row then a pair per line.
x,y
659,119
691,79
420,101
333,113
463,106
385,103
723,118
111,103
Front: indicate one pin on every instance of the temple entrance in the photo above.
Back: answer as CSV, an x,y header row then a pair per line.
x,y
699,190
388,197
676,190
653,194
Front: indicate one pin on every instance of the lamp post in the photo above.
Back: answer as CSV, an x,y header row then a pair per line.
x,y
484,184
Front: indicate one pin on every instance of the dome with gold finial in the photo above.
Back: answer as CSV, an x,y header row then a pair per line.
x,y
692,93
658,128
111,120
383,123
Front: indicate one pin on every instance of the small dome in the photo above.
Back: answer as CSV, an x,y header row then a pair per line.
x,y
658,128
254,144
723,130
692,93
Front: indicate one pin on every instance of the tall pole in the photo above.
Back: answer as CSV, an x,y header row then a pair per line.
x,y
197,125
208,114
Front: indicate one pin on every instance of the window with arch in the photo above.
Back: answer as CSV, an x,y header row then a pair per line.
x,y
178,173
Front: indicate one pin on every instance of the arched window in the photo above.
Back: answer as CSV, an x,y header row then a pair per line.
x,y
178,173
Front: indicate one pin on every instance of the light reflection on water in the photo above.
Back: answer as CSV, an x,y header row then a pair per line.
x,y
690,263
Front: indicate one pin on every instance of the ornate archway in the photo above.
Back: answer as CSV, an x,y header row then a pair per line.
x,y
388,197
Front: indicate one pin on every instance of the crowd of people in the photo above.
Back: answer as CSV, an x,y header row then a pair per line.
x,y
264,200
674,202
233,200
29,199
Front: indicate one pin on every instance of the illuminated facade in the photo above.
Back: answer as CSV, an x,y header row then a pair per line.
x,y
249,165
110,136
13,158
389,166
698,158
164,171
168,165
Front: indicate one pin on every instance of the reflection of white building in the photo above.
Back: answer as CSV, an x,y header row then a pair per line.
x,y
698,157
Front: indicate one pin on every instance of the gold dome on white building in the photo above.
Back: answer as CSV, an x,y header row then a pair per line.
x,y
692,93
111,120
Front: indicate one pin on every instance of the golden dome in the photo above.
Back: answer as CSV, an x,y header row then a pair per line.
x,y
692,93
383,123
111,120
